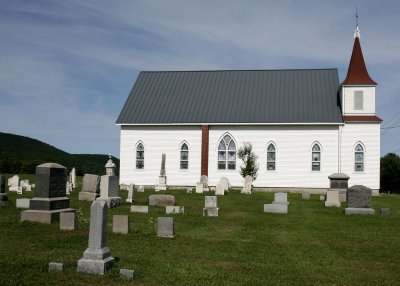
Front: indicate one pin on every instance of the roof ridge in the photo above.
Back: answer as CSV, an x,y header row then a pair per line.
x,y
235,70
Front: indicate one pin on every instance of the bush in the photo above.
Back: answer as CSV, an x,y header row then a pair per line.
x,y
249,159
390,173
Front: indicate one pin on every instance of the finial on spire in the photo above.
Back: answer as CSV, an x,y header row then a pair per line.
x,y
357,31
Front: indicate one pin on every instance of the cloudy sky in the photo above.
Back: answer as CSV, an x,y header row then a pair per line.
x,y
67,67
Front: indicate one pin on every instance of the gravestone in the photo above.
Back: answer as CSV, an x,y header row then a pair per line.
x,y
219,190
22,203
322,197
68,188
276,208
55,267
280,198
24,184
13,182
161,200
19,190
162,179
165,227
90,187
210,206
140,209
225,183
199,188
126,273
123,187
130,198
359,211
96,258
67,221
189,190
204,181
385,211
29,188
332,199
359,201
305,195
174,210
121,224
110,166
73,178
248,180
141,189
3,195
50,199
339,182
109,191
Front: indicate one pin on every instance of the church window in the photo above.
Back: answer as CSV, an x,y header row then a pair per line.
x,y
184,158
227,153
140,156
358,100
316,158
359,158
271,157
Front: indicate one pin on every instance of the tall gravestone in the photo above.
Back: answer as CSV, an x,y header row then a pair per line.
x,y
130,198
162,179
248,180
50,199
96,258
90,187
3,195
109,191
73,178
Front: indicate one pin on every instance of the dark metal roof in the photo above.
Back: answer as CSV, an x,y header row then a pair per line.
x,y
233,96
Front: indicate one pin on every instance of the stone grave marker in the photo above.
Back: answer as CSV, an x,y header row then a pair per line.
x,y
13,181
161,200
109,191
210,206
248,180
73,178
141,189
90,187
121,224
130,198
199,188
359,201
50,198
67,221
165,227
174,210
322,197
140,209
96,258
22,203
189,190
305,195
56,267
162,179
3,195
219,190
332,199
385,211
204,181
126,273
276,208
24,184
225,183
280,198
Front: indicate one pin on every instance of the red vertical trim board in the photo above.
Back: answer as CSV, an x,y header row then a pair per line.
x,y
204,150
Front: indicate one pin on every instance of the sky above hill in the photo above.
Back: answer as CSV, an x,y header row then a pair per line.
x,y
67,67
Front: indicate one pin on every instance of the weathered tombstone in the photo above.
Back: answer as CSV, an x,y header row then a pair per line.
x,y
165,227
276,208
174,210
385,211
332,199
67,221
359,201
199,188
161,200
22,203
24,184
204,181
322,197
3,195
248,180
280,198
210,206
13,181
305,195
68,188
225,183
219,190
141,189
55,267
123,187
96,258
110,166
162,179
50,199
90,187
339,182
19,190
130,198
73,178
140,209
359,211
29,188
126,273
121,224
109,191
189,190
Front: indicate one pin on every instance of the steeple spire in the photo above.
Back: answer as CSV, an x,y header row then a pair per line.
x,y
357,73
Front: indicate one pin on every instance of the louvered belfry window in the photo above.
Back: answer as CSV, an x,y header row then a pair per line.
x,y
358,100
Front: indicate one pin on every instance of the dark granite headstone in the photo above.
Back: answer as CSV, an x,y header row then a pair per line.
x,y
3,195
359,196
339,181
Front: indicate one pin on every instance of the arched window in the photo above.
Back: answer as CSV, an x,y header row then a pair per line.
x,y
184,159
359,158
140,156
227,153
271,157
316,158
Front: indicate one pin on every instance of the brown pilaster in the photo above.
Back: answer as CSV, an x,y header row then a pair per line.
x,y
204,150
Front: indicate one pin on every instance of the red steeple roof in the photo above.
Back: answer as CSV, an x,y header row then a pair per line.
x,y
357,73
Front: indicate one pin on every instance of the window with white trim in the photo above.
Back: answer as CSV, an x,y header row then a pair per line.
x,y
359,158
271,157
358,100
140,156
316,158
184,157
227,153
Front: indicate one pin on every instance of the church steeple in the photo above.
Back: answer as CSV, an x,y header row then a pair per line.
x,y
357,73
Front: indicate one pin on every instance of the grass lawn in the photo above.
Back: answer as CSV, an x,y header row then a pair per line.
x,y
311,245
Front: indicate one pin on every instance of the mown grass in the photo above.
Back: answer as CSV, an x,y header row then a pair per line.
x,y
311,245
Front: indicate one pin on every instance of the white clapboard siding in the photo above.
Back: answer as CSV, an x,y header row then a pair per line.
x,y
368,100
369,136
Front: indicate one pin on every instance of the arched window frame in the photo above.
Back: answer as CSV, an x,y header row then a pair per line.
x,y
359,157
226,153
316,157
184,156
271,156
139,155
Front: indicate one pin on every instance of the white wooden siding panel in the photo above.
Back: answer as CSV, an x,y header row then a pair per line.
x,y
368,100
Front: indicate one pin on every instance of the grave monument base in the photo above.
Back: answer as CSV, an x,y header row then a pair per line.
x,y
43,216
359,211
87,196
210,211
111,201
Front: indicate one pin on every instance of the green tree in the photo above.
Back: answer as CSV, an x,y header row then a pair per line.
x,y
249,159
390,173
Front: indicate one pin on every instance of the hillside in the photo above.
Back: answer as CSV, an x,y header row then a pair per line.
x,y
20,154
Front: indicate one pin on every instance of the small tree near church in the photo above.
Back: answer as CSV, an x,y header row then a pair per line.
x,y
250,166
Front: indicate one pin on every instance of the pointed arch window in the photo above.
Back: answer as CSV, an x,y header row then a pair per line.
x,y
184,157
359,158
140,156
316,158
227,153
271,157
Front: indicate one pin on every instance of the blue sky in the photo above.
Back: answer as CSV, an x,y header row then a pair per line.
x,y
68,66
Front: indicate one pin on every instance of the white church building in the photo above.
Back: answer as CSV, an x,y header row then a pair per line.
x,y
303,124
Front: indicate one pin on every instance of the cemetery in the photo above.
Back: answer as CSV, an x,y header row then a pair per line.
x,y
175,237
